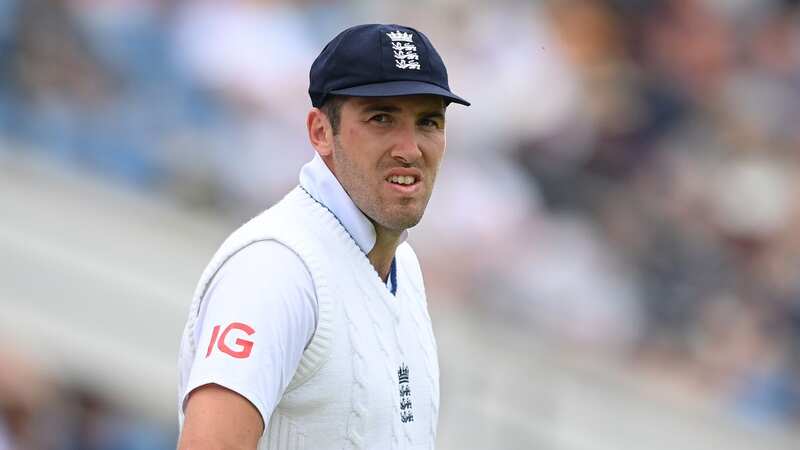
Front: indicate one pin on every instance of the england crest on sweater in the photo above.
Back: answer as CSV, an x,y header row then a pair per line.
x,y
406,407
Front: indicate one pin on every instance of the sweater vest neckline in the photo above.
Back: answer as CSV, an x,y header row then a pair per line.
x,y
376,284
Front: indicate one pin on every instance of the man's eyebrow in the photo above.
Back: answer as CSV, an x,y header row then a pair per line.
x,y
429,114
380,108
384,108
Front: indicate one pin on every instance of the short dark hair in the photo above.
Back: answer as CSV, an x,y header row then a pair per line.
x,y
333,109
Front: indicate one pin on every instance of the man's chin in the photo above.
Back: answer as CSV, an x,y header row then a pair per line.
x,y
401,222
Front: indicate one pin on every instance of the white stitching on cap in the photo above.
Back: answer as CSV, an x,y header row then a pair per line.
x,y
405,52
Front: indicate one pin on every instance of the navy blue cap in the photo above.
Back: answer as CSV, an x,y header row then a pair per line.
x,y
379,61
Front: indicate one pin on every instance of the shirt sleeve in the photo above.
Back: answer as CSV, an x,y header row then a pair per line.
x,y
258,316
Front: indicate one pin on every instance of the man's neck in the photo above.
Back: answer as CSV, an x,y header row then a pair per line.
x,y
382,254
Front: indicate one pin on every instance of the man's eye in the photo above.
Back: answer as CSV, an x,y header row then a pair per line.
x,y
429,123
380,118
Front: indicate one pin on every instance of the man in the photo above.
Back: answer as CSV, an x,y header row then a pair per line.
x,y
309,328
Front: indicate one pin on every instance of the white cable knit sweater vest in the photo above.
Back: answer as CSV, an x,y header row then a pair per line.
x,y
369,379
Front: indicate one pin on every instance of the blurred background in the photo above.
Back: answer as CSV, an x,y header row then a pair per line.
x,y
612,251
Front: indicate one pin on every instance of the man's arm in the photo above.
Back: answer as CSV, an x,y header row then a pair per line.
x,y
258,316
220,419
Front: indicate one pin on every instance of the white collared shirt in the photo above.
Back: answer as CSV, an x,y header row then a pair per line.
x,y
322,185
266,286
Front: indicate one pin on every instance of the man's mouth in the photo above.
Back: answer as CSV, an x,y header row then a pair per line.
x,y
406,180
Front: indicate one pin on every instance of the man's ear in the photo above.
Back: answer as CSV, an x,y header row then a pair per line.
x,y
320,132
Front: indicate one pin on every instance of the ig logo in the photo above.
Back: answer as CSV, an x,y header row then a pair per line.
x,y
243,345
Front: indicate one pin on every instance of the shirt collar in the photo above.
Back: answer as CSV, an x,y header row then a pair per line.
x,y
317,179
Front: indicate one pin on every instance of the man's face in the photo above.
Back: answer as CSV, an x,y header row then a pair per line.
x,y
387,154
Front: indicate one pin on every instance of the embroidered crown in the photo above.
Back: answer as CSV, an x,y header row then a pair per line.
x,y
402,374
399,36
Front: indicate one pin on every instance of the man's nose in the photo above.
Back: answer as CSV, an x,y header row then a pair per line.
x,y
406,146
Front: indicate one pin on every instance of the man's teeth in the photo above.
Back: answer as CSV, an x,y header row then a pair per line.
x,y
402,180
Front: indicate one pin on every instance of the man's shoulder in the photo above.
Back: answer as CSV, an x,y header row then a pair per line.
x,y
406,253
266,253
284,217
407,259
286,209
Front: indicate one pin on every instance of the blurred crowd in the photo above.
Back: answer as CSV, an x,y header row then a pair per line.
x,y
626,182
44,411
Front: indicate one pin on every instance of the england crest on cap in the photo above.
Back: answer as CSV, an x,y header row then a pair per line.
x,y
405,52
